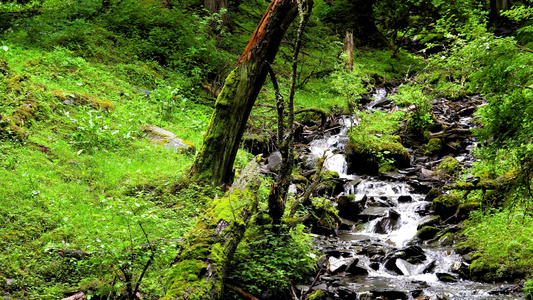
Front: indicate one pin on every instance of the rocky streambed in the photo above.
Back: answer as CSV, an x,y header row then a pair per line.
x,y
392,243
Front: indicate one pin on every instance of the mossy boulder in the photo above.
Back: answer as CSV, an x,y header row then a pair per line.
x,y
258,143
487,270
434,146
449,167
330,184
427,232
367,158
71,98
466,208
168,139
445,205
349,207
429,221
432,194
316,295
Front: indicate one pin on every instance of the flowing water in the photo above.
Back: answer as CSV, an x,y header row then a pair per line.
x,y
412,279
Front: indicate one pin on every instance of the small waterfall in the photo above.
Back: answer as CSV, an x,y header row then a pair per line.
x,y
331,146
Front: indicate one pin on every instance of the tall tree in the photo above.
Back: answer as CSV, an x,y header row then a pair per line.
x,y
214,162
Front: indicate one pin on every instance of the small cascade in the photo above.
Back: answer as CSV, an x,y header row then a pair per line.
x,y
390,262
332,146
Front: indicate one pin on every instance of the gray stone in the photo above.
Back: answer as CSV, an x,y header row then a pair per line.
x,y
169,140
273,160
428,221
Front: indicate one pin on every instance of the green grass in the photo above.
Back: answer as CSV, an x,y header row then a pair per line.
x,y
86,179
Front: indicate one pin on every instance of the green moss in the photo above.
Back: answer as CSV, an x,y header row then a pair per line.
x,y
445,205
485,270
10,130
432,194
82,99
4,68
326,175
14,83
427,232
316,295
434,146
449,166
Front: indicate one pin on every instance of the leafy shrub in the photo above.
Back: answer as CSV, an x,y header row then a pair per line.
x,y
266,262
421,117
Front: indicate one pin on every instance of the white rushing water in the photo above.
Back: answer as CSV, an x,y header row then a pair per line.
x,y
329,146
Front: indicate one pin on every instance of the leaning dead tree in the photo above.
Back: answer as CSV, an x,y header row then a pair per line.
x,y
214,162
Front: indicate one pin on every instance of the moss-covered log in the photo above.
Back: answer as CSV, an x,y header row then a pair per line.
x,y
202,263
214,163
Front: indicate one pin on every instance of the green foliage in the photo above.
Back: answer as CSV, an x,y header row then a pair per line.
x,y
504,238
266,262
421,117
375,138
528,288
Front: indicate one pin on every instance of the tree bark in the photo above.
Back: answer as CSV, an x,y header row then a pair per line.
x,y
214,162
202,264
215,6
348,48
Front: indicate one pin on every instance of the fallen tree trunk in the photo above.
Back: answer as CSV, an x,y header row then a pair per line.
x,y
202,263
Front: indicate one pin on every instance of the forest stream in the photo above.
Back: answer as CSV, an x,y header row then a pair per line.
x,y
376,253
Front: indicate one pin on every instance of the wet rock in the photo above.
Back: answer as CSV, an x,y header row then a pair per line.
x,y
374,266
427,232
425,173
372,213
336,265
387,294
386,225
461,269
446,277
373,202
273,161
345,293
430,267
447,239
445,205
394,214
432,194
349,207
373,250
395,176
322,286
428,221
406,268
355,270
424,209
405,198
411,254
309,162
169,140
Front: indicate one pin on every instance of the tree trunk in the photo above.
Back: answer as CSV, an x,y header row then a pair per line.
x,y
348,49
214,7
214,162
204,258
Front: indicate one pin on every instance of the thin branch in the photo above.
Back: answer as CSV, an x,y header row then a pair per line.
x,y
240,291
147,263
